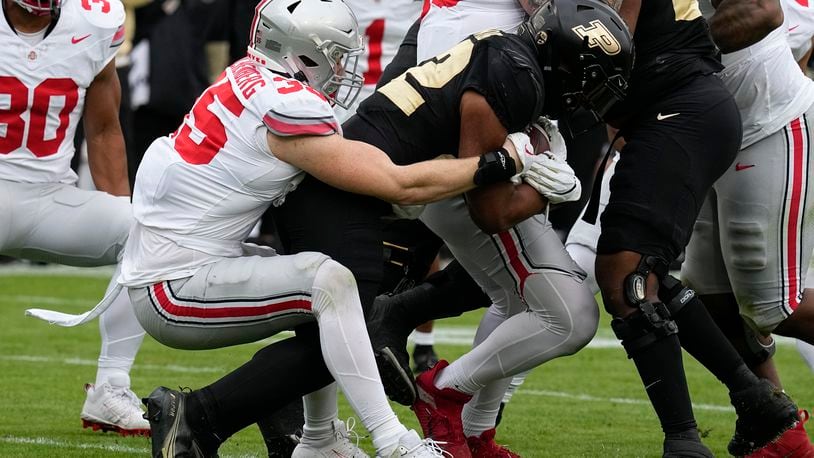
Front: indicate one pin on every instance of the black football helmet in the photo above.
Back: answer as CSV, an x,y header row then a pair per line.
x,y
586,53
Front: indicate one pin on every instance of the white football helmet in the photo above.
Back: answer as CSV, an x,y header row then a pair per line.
x,y
40,7
316,41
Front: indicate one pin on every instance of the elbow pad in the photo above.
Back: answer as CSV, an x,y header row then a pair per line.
x,y
493,167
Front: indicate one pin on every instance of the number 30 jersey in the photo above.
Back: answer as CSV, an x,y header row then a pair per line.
x,y
420,109
200,191
42,88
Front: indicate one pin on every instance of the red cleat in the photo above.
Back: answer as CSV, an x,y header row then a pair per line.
x,y
794,443
439,412
485,446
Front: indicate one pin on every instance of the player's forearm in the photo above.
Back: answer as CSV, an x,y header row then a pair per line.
x,y
108,162
430,181
737,24
499,207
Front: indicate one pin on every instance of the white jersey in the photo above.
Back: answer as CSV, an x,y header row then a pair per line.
x,y
799,20
447,22
384,25
42,88
200,191
768,86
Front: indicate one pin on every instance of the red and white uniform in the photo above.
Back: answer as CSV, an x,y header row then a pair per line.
x,y
200,191
449,21
42,88
384,23
799,19
754,236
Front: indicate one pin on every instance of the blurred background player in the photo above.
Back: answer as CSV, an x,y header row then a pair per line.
x,y
56,66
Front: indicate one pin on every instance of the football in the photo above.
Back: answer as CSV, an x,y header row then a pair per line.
x,y
539,139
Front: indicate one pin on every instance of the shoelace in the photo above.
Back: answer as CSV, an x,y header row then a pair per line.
x,y
122,401
350,423
432,446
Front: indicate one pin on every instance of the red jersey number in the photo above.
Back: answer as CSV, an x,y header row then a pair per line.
x,y
103,4
375,36
210,129
44,94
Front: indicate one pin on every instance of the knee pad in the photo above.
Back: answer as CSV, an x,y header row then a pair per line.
x,y
337,281
644,327
758,352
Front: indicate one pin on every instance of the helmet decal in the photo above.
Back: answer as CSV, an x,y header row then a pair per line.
x,y
599,37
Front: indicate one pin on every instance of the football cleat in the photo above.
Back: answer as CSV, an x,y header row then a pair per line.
x,y
439,413
339,446
111,406
764,414
282,446
794,443
685,448
424,358
484,446
389,343
172,435
412,446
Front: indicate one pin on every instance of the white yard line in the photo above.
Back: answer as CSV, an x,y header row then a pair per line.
x,y
18,269
588,398
92,446
92,362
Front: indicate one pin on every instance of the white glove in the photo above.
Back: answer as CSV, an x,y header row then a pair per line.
x,y
525,152
554,179
547,127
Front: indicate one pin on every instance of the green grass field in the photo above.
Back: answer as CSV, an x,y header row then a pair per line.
x,y
590,404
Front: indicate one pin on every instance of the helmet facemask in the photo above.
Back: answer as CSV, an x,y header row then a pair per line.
x,y
40,7
344,85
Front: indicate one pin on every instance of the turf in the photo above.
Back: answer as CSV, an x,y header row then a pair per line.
x,y
590,404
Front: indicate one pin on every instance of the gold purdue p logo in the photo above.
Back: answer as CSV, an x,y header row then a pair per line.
x,y
599,36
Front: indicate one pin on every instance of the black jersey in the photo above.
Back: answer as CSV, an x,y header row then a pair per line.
x,y
673,45
420,109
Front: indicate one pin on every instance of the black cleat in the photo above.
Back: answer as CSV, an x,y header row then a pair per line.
x,y
172,437
764,414
282,446
685,448
424,358
388,336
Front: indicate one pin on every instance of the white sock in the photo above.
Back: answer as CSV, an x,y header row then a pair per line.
x,y
320,412
457,377
806,350
423,338
349,356
480,413
121,338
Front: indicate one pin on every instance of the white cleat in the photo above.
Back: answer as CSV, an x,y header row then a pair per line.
x,y
412,446
340,446
111,406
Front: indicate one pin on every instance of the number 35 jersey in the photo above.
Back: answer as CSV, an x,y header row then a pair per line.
x,y
200,191
42,88
420,109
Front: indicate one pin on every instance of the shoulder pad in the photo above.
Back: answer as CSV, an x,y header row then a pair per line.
x,y
292,108
100,14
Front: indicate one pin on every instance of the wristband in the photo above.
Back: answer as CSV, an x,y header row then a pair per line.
x,y
493,167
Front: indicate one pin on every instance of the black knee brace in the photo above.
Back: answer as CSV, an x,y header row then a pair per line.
x,y
674,294
644,327
758,352
652,322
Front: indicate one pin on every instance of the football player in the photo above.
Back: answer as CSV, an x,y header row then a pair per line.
x,y
56,66
485,104
245,146
648,338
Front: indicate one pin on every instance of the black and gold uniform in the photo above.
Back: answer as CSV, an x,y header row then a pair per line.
x,y
417,114
682,129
